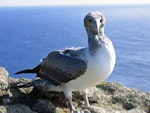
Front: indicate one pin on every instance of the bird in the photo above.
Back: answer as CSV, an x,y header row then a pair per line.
x,y
77,68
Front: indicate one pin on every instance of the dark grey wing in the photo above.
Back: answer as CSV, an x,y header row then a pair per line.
x,y
59,68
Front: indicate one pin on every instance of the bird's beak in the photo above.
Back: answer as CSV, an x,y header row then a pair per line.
x,y
98,25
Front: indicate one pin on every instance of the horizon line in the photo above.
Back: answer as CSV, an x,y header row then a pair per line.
x,y
69,5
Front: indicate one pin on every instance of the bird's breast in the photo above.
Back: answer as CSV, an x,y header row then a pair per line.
x,y
99,68
103,61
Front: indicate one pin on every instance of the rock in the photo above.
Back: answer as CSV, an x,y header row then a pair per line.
x,y
16,108
15,95
136,111
112,97
124,98
94,109
104,98
43,106
3,81
59,110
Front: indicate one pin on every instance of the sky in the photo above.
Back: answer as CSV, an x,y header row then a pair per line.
x,y
69,2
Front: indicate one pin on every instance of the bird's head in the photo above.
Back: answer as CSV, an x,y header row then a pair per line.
x,y
94,23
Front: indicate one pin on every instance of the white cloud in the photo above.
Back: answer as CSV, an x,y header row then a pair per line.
x,y
69,2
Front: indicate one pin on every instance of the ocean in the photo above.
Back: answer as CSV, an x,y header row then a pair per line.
x,y
27,34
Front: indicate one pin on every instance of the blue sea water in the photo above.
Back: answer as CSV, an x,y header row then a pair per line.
x,y
27,34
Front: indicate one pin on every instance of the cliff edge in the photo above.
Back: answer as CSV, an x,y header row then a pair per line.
x,y
106,97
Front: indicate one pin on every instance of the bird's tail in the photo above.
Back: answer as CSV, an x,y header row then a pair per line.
x,y
34,70
36,83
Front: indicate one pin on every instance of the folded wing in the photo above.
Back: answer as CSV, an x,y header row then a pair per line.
x,y
59,68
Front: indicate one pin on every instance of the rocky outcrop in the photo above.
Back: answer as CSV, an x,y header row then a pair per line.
x,y
15,108
3,81
106,97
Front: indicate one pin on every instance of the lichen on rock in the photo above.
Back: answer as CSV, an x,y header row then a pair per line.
x,y
3,80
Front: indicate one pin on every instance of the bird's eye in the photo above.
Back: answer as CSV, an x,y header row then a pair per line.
x,y
90,20
101,20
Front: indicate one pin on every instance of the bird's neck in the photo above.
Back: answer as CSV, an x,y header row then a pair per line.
x,y
94,42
